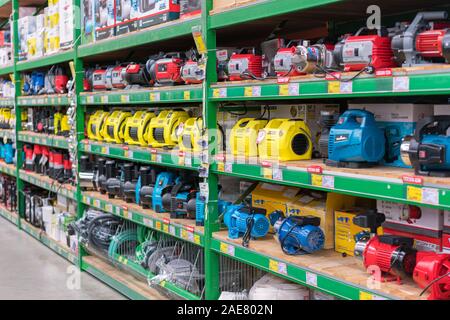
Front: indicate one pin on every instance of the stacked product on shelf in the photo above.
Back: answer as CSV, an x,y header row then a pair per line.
x,y
159,257
6,88
48,161
45,121
46,33
8,192
5,48
51,81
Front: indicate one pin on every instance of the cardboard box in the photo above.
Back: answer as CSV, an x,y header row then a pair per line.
x,y
27,27
421,242
153,12
428,222
399,120
346,230
105,19
5,38
66,23
189,8
127,14
272,197
310,113
322,205
87,21
52,41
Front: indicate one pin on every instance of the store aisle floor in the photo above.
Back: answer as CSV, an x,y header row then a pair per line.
x,y
29,270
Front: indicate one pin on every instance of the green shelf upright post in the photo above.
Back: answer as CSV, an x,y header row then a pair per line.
x,y
212,267
18,112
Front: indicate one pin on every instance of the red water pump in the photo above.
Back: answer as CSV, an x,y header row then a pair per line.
x,y
87,80
365,52
245,65
117,73
67,165
101,78
423,41
136,75
29,157
303,59
167,71
58,79
395,257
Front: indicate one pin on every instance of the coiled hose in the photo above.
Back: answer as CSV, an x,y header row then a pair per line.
x,y
124,244
101,230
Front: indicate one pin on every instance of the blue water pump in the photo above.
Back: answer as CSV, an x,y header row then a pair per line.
x,y
428,151
163,180
200,209
298,235
356,141
8,153
246,222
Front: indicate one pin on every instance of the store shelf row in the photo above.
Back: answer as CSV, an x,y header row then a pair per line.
x,y
9,169
326,270
56,58
184,229
4,70
156,156
180,94
43,139
43,100
6,102
55,246
9,215
7,133
385,183
48,184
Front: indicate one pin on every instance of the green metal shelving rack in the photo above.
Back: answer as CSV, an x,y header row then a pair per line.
x,y
210,94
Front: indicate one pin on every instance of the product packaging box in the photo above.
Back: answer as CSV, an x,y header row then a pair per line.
x,y
66,23
27,27
446,234
310,113
189,8
87,21
322,205
5,38
398,121
105,19
52,41
273,197
127,14
153,12
419,220
346,230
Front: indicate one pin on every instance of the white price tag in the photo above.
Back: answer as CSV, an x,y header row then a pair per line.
x,y
400,84
188,160
148,222
97,203
223,92
109,208
90,99
347,87
328,182
311,279
277,174
159,158
256,91
430,195
294,89
172,230
228,167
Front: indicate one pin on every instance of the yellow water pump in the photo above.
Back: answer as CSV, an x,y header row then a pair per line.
x,y
162,130
114,126
136,128
95,124
243,136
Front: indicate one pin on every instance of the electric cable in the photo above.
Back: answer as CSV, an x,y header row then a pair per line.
x,y
248,231
433,282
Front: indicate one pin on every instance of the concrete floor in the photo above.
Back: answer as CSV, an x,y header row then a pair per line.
x,y
29,270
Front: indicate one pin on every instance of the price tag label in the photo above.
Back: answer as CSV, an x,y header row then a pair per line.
x,y
166,228
294,89
148,222
228,167
311,279
414,193
90,99
155,96
127,214
188,160
221,166
184,234
196,239
129,154
248,92
267,173
187,95
158,225
316,180
223,92
334,87
328,182
216,93
278,267
430,195
105,150
283,90
109,208
181,159
346,87
97,203
159,158
172,230
369,296
277,174
227,249
124,98
104,99
400,84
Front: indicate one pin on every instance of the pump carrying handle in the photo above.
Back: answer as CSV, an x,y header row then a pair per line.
x,y
442,125
366,116
382,31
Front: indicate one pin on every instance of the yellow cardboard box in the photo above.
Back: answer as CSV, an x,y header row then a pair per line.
x,y
322,205
273,197
346,230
